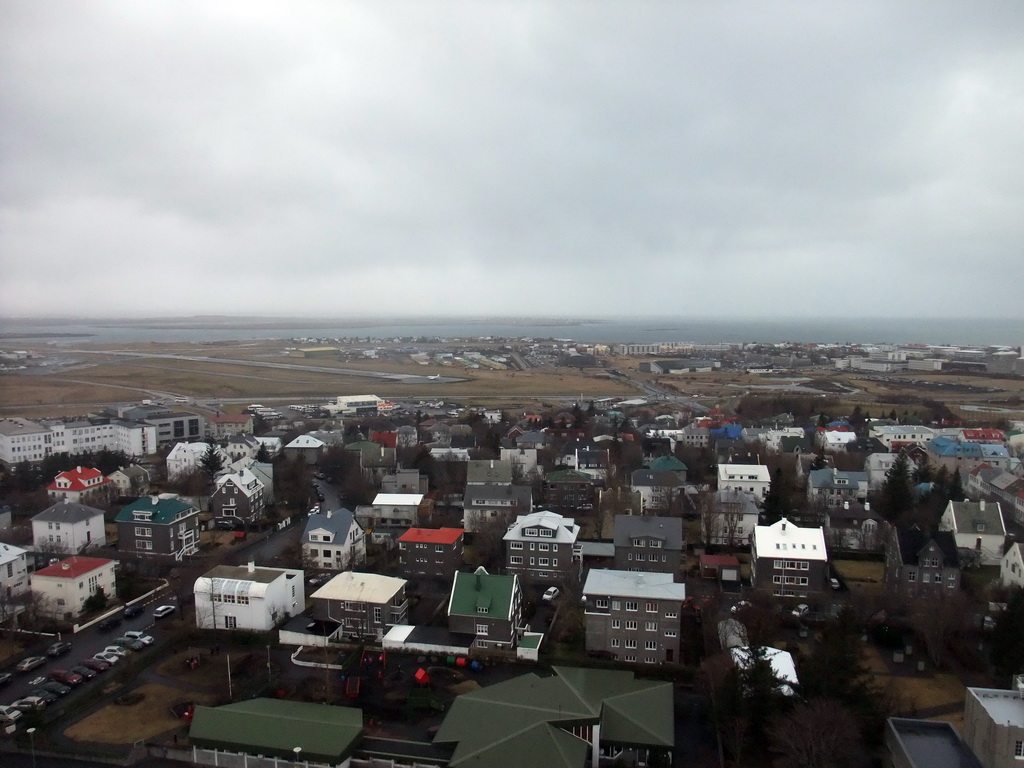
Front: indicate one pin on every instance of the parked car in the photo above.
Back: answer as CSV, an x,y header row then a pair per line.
x,y
139,635
228,523
85,672
58,649
30,663
96,665
9,714
129,643
58,688
117,650
801,610
131,611
834,582
30,704
40,693
66,677
5,678
109,623
551,593
164,610
107,658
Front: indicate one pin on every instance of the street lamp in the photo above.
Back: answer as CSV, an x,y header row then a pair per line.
x,y
296,750
269,676
32,739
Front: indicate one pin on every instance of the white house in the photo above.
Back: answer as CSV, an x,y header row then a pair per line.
x,y
65,586
13,579
877,466
248,597
833,440
187,457
902,433
730,518
80,484
752,478
132,480
832,487
333,540
395,509
1011,568
523,460
68,526
978,527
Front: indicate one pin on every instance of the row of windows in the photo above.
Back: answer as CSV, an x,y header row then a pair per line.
x,y
654,543
650,645
551,562
793,565
798,580
926,578
236,599
649,626
640,557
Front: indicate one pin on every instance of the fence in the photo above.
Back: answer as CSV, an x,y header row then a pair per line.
x,y
79,627
222,759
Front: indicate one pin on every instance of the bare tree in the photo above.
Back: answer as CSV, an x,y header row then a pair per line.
x,y
712,519
820,733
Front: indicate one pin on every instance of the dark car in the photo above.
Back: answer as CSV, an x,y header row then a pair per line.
x,y
48,696
85,672
5,678
110,623
58,688
131,611
58,649
228,523
96,665
66,677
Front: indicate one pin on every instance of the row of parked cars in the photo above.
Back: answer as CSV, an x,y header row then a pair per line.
x,y
46,689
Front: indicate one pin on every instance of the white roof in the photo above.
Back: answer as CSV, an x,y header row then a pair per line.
x,y
565,528
196,449
360,588
398,499
783,539
306,441
840,438
782,665
1003,706
732,472
603,581
9,552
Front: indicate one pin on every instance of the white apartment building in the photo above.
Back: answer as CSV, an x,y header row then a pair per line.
x,y
21,439
65,586
13,579
68,526
751,478
248,597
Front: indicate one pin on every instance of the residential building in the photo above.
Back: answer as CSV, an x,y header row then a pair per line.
x,y
400,509
789,561
901,434
65,586
854,526
496,504
240,495
633,616
488,606
242,447
432,552
227,424
68,526
1011,568
978,529
80,484
648,543
570,491
14,586
185,458
249,598
877,466
363,605
668,464
541,546
831,487
375,460
926,744
523,460
405,481
159,525
729,519
308,447
568,719
994,725
660,490
921,565
24,440
132,480
963,457
333,540
488,472
752,478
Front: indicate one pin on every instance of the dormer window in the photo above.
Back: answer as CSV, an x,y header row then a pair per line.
x,y
481,609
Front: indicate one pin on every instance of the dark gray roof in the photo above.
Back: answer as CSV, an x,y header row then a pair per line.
x,y
337,521
928,744
489,471
481,494
663,479
912,541
67,512
668,529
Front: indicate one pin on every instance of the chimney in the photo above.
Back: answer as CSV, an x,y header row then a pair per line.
x,y
867,506
329,514
65,566
783,525
846,505
252,566
981,505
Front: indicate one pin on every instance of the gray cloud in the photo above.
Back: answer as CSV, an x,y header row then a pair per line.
x,y
559,158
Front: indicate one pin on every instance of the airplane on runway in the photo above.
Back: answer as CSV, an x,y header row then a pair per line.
x,y
435,377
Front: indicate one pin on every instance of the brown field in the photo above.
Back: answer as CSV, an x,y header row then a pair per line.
x,y
860,570
918,691
117,724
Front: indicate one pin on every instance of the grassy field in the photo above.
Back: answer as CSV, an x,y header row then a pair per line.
x,y
146,719
916,691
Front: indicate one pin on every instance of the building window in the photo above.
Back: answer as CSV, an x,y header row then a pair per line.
x,y
651,626
143,531
230,622
631,657
515,545
146,545
651,645
544,561
912,576
670,633
515,559
670,614
630,625
631,643
481,629
601,602
616,624
632,605
652,607
1018,749
615,642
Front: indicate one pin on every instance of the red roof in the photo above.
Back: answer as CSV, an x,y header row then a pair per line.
x,y
387,439
73,567
707,561
79,479
432,535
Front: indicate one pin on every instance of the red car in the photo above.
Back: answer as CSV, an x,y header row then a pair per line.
x,y
95,664
64,677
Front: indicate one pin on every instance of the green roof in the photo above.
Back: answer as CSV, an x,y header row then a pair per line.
x,y
569,476
523,722
481,589
164,511
666,464
275,727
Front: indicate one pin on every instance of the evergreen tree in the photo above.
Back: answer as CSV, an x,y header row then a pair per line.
x,y
820,461
263,455
897,497
923,472
956,486
776,501
211,463
1007,642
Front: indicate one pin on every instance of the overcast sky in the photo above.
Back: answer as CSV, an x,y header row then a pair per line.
x,y
512,158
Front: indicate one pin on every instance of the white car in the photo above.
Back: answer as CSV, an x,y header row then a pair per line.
x,y
142,637
551,593
117,650
110,658
164,610
9,715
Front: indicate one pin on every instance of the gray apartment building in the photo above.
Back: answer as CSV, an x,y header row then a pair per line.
x,y
633,617
648,543
789,561
542,546
363,605
159,525
432,552
921,565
